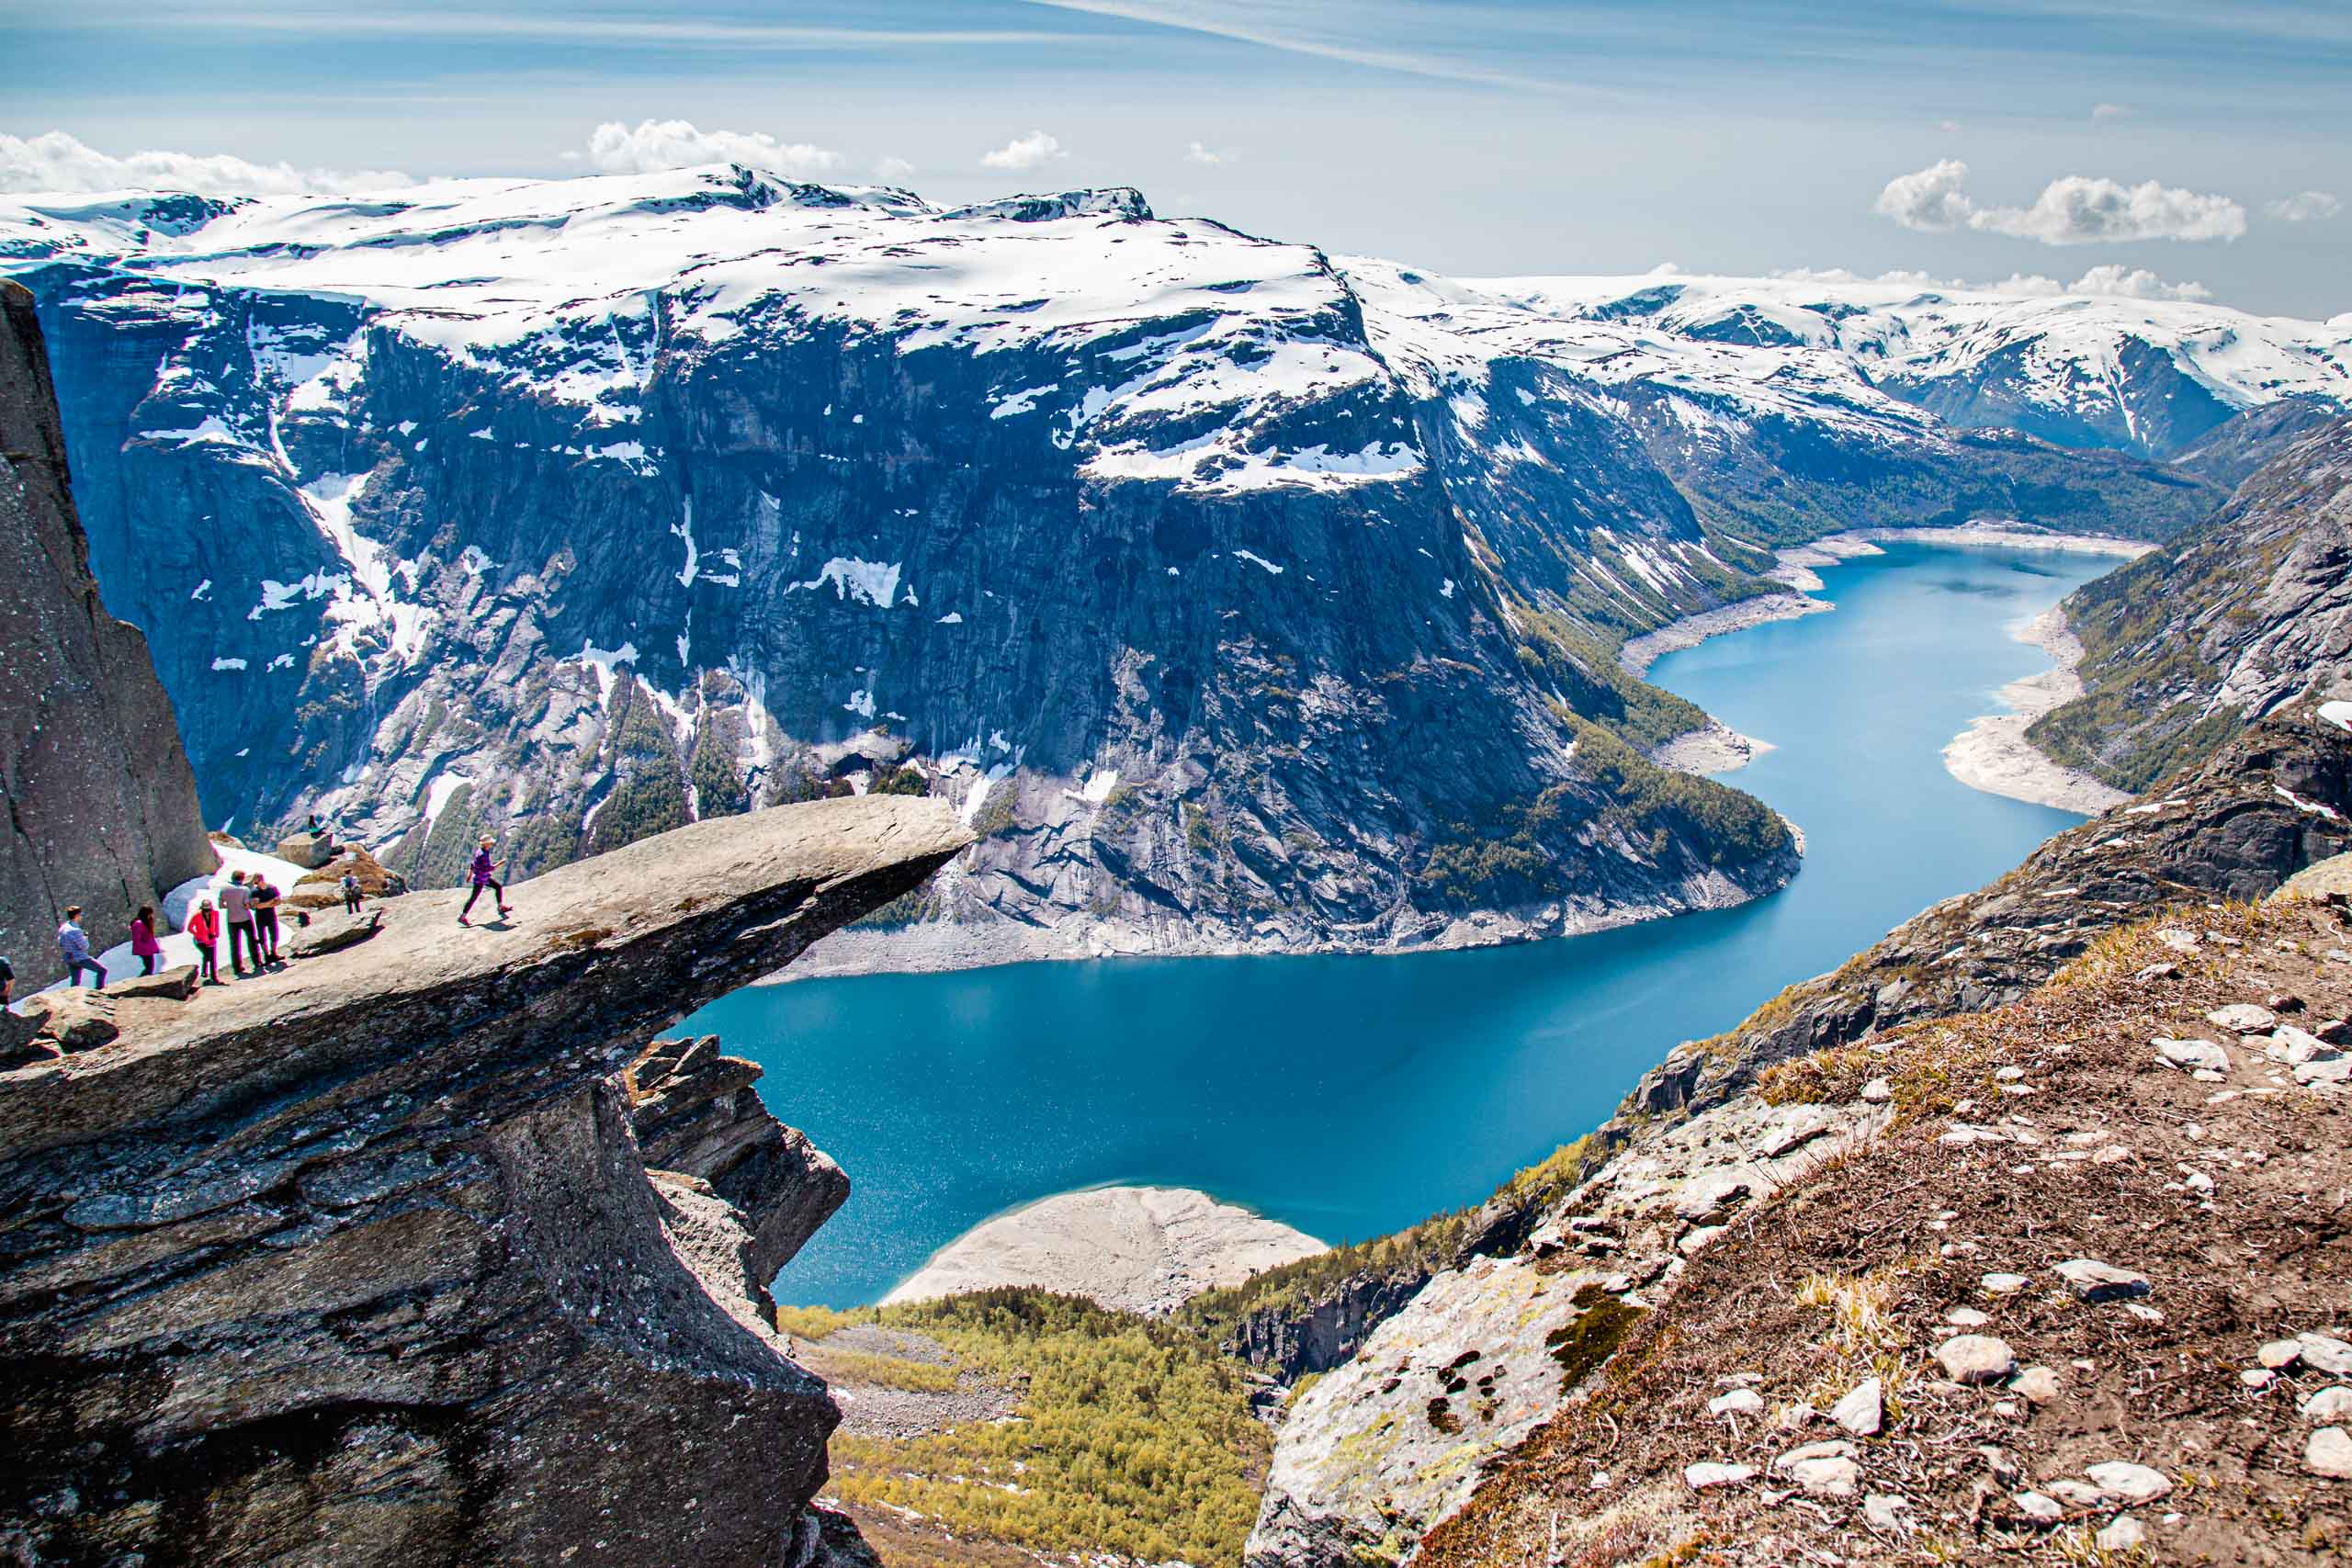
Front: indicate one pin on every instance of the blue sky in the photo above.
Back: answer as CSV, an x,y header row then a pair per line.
x,y
1475,138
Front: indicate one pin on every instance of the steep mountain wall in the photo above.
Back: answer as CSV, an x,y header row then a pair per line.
x,y
102,806
361,1261
2243,613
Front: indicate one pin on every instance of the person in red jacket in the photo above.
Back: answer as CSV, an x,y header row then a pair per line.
x,y
204,928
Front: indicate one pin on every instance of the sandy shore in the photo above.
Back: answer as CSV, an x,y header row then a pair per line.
x,y
1715,747
1636,656
1993,754
1145,1249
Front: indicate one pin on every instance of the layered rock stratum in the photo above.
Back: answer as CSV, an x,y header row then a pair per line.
x,y
361,1261
102,807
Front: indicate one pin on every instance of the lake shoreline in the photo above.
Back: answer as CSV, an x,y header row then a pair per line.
x,y
1144,1249
1993,753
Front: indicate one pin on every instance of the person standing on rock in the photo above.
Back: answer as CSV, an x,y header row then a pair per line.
x,y
73,947
143,945
237,914
7,983
485,875
264,897
204,930
351,893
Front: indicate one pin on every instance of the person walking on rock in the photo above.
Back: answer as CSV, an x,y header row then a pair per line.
x,y
204,930
73,947
264,897
485,875
143,945
351,893
237,914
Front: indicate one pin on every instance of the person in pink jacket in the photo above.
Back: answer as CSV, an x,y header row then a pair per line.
x,y
143,945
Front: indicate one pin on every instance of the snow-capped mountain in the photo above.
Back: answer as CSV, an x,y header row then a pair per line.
x,y
1248,596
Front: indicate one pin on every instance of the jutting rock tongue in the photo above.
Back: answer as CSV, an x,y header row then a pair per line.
x,y
361,1260
101,804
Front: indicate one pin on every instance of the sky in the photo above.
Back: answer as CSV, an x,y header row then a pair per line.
x,y
2159,147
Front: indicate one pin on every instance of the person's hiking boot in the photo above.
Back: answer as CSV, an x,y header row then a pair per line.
x,y
463,922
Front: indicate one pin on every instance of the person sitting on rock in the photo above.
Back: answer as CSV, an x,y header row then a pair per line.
x,y
485,875
73,947
351,891
237,914
7,983
143,945
265,906
204,930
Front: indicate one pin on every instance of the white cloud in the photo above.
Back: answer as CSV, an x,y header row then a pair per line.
x,y
2108,279
893,169
657,144
1949,127
57,162
1024,153
1197,153
2072,211
2305,207
2110,111
2136,283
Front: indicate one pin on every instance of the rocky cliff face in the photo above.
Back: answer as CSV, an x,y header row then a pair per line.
x,y
2241,615
1502,1340
1243,597
102,807
363,1261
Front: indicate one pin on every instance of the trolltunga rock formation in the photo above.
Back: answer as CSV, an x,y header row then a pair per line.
x,y
361,1262
102,807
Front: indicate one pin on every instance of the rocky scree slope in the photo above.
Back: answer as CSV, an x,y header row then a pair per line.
x,y
1443,1351
102,807
2241,615
363,1257
2078,1300
573,510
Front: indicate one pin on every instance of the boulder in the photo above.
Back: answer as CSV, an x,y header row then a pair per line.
x,y
1976,1359
74,1019
175,984
1863,1410
2329,1453
309,850
332,932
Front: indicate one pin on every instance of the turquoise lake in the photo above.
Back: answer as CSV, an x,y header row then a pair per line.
x,y
1350,1096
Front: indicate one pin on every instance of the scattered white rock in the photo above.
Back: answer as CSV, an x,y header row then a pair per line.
x,y
2124,1534
2130,1482
2327,1405
1704,1477
1739,1402
1863,1410
2329,1453
2243,1018
2040,1507
2322,1353
2257,1378
2075,1494
2004,1284
1884,1512
1877,1091
1822,1470
2038,1385
2295,1047
1976,1359
2189,1054
2094,1282
2279,1354
2009,1075
1966,1317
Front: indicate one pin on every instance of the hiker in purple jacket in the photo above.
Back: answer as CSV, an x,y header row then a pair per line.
x,y
73,948
485,874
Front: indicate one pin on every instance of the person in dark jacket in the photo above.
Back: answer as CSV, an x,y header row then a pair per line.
x,y
7,982
265,903
73,947
485,875
351,891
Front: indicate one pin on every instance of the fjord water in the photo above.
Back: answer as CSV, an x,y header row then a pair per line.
x,y
1350,1095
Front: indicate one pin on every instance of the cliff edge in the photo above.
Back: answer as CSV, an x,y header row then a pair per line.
x,y
102,807
363,1257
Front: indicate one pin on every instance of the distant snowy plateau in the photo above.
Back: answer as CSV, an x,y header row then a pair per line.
x,y
1246,596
